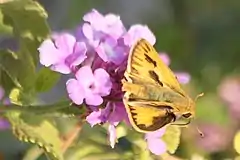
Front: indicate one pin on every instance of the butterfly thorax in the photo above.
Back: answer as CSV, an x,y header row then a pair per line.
x,y
181,104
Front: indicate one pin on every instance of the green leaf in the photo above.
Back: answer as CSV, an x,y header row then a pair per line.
x,y
46,79
236,142
6,82
63,109
44,134
172,138
32,119
7,58
33,153
18,97
4,29
22,74
20,15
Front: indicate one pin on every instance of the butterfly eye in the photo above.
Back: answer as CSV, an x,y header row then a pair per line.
x,y
187,115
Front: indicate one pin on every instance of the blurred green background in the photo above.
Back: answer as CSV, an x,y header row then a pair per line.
x,y
202,37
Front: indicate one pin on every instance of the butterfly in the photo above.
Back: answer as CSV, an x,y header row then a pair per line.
x,y
153,95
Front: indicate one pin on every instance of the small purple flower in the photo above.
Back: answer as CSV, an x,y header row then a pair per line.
x,y
89,86
154,142
95,117
62,53
97,27
183,77
165,58
113,114
109,24
229,91
216,137
4,124
86,33
102,34
118,113
111,51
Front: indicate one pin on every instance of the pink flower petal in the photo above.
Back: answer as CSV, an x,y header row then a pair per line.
x,y
79,54
94,118
101,75
48,53
75,91
87,31
65,42
112,135
106,50
120,55
62,53
96,20
118,113
156,146
103,82
92,16
114,25
61,68
137,32
93,100
165,58
85,76
112,19
111,51
183,77
101,52
156,134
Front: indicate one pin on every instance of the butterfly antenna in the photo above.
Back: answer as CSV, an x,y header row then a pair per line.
x,y
198,96
200,132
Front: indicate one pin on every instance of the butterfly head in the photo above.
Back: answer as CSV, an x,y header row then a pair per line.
x,y
191,105
190,110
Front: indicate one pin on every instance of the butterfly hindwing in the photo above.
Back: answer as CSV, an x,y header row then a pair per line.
x,y
156,117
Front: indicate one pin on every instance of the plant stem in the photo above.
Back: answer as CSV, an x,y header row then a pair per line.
x,y
33,153
70,137
35,108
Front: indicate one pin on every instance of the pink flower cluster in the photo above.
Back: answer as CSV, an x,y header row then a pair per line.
x,y
229,91
96,55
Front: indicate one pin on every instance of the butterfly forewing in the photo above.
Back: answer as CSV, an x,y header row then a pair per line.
x,y
145,92
144,62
